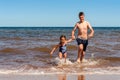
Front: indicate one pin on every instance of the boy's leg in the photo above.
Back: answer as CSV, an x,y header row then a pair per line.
x,y
78,58
60,55
80,51
82,56
84,49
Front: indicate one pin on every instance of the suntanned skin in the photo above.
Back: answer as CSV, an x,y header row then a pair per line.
x,y
82,27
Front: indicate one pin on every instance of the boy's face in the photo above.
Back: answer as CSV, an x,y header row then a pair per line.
x,y
81,18
62,39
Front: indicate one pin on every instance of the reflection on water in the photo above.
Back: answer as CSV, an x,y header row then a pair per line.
x,y
64,77
81,77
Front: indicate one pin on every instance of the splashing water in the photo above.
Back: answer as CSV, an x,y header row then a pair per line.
x,y
61,62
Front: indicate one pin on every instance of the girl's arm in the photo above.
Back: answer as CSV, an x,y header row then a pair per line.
x,y
54,49
69,40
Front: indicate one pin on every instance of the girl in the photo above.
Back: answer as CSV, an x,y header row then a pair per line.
x,y
62,47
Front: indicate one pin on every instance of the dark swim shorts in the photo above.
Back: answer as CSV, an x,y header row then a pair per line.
x,y
84,42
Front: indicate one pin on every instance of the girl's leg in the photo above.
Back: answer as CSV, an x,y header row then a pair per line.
x,y
60,55
65,56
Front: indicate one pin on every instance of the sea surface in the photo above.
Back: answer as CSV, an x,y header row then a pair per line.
x,y
25,50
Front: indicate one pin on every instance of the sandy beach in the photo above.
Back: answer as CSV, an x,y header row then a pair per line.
x,y
61,77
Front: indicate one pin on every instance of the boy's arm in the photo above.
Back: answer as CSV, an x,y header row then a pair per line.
x,y
54,49
73,31
91,34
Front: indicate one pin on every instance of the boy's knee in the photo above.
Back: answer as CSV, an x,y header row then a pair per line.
x,y
81,47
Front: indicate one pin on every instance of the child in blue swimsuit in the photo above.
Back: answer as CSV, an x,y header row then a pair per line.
x,y
62,47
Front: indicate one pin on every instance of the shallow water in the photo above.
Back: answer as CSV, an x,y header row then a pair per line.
x,y
26,50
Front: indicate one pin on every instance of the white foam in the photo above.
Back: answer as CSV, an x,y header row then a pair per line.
x,y
42,72
68,67
90,62
59,61
108,70
86,62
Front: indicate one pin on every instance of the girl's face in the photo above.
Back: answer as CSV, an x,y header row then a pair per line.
x,y
62,40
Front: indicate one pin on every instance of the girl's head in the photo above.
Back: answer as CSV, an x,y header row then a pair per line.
x,y
62,38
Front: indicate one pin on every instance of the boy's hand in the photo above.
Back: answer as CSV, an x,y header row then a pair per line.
x,y
50,55
90,36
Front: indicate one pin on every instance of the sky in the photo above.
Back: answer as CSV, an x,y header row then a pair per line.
x,y
59,12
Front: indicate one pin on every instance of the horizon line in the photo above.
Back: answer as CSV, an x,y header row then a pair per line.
x,y
55,26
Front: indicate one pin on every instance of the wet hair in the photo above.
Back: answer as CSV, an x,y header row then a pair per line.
x,y
62,36
81,14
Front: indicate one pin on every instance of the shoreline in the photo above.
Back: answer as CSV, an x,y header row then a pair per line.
x,y
57,73
61,77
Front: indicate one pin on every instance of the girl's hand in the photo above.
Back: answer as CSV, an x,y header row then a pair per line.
x,y
69,40
73,37
51,53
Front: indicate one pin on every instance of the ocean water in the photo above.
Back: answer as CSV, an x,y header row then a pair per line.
x,y
26,50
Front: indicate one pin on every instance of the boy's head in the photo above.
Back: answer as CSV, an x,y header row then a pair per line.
x,y
62,38
81,16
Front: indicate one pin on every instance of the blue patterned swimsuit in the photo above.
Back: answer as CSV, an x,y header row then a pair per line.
x,y
63,49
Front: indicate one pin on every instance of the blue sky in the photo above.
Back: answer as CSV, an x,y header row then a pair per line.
x,y
58,12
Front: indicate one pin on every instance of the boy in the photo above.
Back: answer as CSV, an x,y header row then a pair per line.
x,y
83,36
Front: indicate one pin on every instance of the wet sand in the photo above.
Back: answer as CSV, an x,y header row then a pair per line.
x,y
61,77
